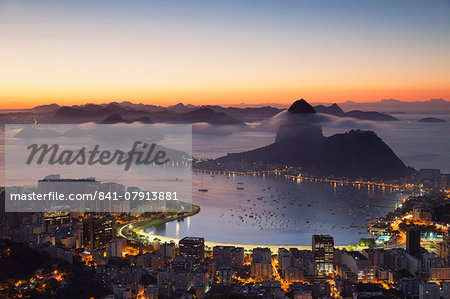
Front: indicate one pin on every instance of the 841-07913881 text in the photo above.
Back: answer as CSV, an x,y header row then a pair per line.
x,y
97,195
138,195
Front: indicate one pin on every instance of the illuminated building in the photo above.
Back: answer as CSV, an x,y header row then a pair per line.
x,y
323,252
225,275
357,263
284,259
229,256
261,266
54,218
167,250
261,255
114,248
192,247
261,270
293,274
443,248
98,231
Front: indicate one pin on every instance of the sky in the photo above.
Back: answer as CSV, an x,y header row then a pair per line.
x,y
222,52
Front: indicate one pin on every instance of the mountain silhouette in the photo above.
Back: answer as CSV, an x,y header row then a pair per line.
x,y
333,110
301,143
113,119
431,120
358,114
301,107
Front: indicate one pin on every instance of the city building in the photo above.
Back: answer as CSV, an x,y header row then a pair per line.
x,y
284,259
167,250
261,255
293,274
422,213
304,260
323,252
429,290
261,270
443,248
56,218
192,247
229,256
261,266
413,242
410,286
114,248
357,263
440,274
98,231
225,276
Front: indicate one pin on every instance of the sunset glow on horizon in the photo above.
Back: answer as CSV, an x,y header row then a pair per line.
x,y
222,52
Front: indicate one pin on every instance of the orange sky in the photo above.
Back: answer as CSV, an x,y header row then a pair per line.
x,y
213,52
230,98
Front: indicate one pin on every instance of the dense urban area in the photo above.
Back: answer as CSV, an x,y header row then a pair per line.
x,y
84,255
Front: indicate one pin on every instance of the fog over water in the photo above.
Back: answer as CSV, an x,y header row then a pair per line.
x,y
274,210
290,212
417,144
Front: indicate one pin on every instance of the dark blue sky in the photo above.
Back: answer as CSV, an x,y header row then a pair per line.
x,y
223,51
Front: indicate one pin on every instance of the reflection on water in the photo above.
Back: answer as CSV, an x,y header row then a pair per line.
x,y
274,210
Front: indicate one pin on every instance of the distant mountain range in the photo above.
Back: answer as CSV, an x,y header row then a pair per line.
x,y
128,112
299,143
362,115
395,106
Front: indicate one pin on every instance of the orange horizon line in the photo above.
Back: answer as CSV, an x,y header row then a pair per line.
x,y
26,106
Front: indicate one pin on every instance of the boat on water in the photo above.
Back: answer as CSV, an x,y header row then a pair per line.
x,y
240,188
202,189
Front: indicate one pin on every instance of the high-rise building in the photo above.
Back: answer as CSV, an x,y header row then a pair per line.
x,y
284,259
3,216
323,251
263,255
192,247
261,270
167,250
56,218
229,256
225,275
261,266
114,248
413,242
443,248
98,231
429,290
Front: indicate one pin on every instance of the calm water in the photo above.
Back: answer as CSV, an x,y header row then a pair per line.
x,y
420,145
274,210
290,212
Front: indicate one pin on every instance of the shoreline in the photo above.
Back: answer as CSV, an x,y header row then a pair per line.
x,y
247,247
